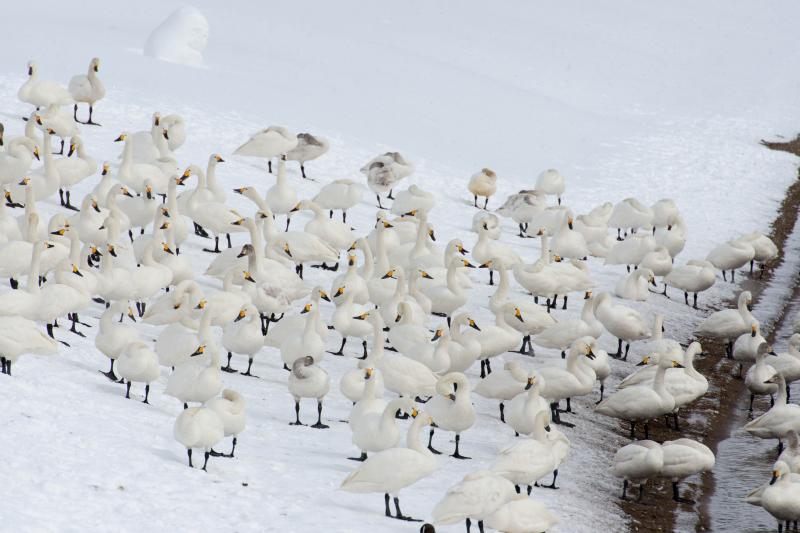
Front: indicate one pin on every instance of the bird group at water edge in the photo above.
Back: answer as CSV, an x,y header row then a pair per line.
x,y
439,342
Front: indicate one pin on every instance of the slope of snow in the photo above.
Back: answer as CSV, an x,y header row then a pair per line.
x,y
624,99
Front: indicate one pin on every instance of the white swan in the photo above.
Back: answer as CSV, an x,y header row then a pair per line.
x,y
568,242
731,255
42,93
451,408
230,409
759,373
392,470
271,142
339,195
552,183
727,325
308,341
781,498
112,336
475,497
463,350
563,333
137,363
414,199
16,160
631,214
19,336
684,458
695,276
523,408
637,462
631,251
199,427
522,207
495,339
243,336
73,170
308,380
377,431
780,419
634,286
529,459
197,380
659,261
485,250
87,89
764,248
623,322
504,384
788,362
574,379
385,171
522,515
483,184
308,148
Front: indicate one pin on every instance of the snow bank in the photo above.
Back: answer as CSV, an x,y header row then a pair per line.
x,y
181,38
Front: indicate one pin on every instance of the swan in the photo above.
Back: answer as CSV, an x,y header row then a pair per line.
x,y
336,234
178,229
637,462
695,276
401,375
271,142
631,251
731,255
178,341
659,261
634,286
788,363
19,336
524,316
672,236
87,89
348,319
764,248
9,227
144,141
199,427
308,380
623,322
594,225
176,127
57,119
384,172
727,325
602,369
447,299
389,309
75,270
226,302
522,207
16,160
524,407
73,170
495,339
551,183
141,210
484,184
43,184
521,515
196,380
486,250
302,247
288,326
353,280
150,276
563,333
504,384
630,213
683,458
137,363
339,195
780,419
475,497
414,199
377,431
394,469
568,242
530,459
491,220
42,93
642,403
218,218
463,350
408,332
451,408
791,453
574,379
781,498
309,341
665,211
230,409
243,336
759,373
112,336
133,174
308,148
362,385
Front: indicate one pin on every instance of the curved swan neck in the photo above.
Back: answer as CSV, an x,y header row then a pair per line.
x,y
412,437
33,273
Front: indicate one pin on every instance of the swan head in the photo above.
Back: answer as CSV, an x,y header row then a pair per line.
x,y
31,68
247,249
351,259
779,470
122,137
94,64
201,304
390,274
472,324
368,373
306,308
753,329
130,314
424,274
518,314
125,192
215,158
775,380
200,350
247,276
437,334
323,295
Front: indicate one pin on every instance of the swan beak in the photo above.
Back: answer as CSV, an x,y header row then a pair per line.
x,y
126,192
71,149
362,316
473,325
749,305
431,234
287,250
387,225
177,306
295,208
487,264
397,318
166,135
165,212
414,412
58,232
352,246
653,283
130,314
199,351
237,222
112,251
200,305
76,271
240,316
105,169
240,190
241,254
102,227
410,213
529,384
590,353
569,223
518,315
219,159
425,274
167,249
753,330
452,397
351,260
306,309
339,292
149,192
36,153
248,277
676,364
389,274
30,70
437,335
367,373
587,295
485,226
324,296
24,181
775,476
119,139
772,352
644,362
462,250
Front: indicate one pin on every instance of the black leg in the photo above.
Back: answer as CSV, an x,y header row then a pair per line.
x,y
430,443
502,412
362,457
146,393
249,365
128,390
475,201
269,166
296,414
625,489
378,196
205,462
553,484
110,374
676,495
341,348
189,453
319,424
227,367
400,515
457,455
386,501
303,171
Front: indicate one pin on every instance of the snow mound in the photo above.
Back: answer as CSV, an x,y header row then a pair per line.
x,y
181,38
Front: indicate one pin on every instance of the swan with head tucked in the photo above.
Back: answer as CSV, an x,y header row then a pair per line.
x,y
413,199
552,183
483,184
394,469
522,515
522,207
637,463
631,214
683,458
695,276
788,363
504,384
631,251
271,142
199,427
622,322
475,497
308,380
339,195
20,336
137,363
731,255
308,148
727,325
230,409
635,285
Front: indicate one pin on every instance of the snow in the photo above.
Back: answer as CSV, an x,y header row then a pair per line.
x,y
181,38
625,99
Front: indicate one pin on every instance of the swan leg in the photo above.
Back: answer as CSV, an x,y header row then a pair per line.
x,y
364,346
269,165
675,421
233,448
296,414
299,270
625,490
685,296
110,374
676,495
602,393
488,367
341,348
247,372
386,499
128,390
733,276
319,424
483,368
430,443
724,276
553,484
633,430
695,301
2,365
565,302
475,201
344,216
469,524
569,406
200,231
752,397
627,347
146,393
485,202
228,236
389,196
74,319
362,457
68,204
491,277
521,233
502,412
61,196
227,367
457,455
303,171
618,353
641,492
378,196
205,462
216,249
288,221
400,515
185,405
189,453
530,488
647,430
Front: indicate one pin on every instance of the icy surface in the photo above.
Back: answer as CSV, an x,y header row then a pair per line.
x,y
623,98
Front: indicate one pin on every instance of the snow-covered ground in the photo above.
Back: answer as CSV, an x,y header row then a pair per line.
x,y
624,98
